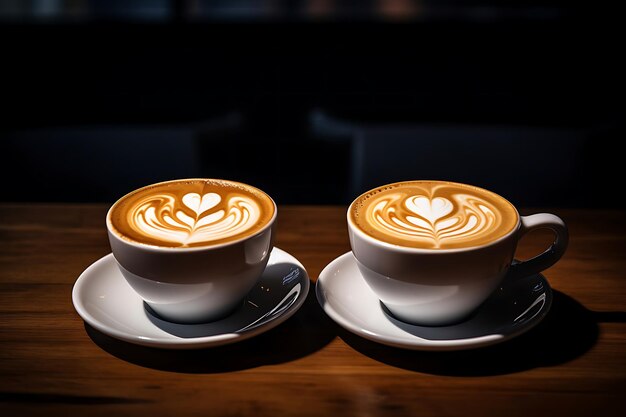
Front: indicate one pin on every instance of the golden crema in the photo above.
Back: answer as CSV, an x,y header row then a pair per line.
x,y
191,213
433,215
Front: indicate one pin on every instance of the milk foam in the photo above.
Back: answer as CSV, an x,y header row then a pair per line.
x,y
157,216
191,214
434,215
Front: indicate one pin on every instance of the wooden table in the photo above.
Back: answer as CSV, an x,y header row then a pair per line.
x,y
573,363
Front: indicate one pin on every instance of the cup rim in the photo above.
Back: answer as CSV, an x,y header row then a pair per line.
x,y
407,249
119,236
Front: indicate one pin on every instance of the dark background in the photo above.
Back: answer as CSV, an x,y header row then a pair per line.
x,y
312,101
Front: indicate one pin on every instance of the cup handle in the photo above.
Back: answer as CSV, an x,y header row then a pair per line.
x,y
552,254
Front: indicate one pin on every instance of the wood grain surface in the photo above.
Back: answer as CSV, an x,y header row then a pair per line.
x,y
51,363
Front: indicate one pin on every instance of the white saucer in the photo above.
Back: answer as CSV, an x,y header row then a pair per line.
x,y
511,310
104,299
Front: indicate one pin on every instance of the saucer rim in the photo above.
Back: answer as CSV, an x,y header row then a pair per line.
x,y
172,341
413,342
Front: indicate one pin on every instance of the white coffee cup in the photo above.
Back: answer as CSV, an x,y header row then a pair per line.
x,y
193,284
436,287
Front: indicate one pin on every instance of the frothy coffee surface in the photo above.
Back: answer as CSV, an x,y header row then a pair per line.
x,y
190,213
433,215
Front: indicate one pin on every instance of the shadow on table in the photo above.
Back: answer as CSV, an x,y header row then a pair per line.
x,y
568,331
303,334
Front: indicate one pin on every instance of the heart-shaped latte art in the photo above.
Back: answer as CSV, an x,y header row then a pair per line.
x,y
164,217
431,210
434,219
201,204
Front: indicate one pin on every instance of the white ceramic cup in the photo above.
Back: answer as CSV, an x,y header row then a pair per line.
x,y
436,287
195,284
